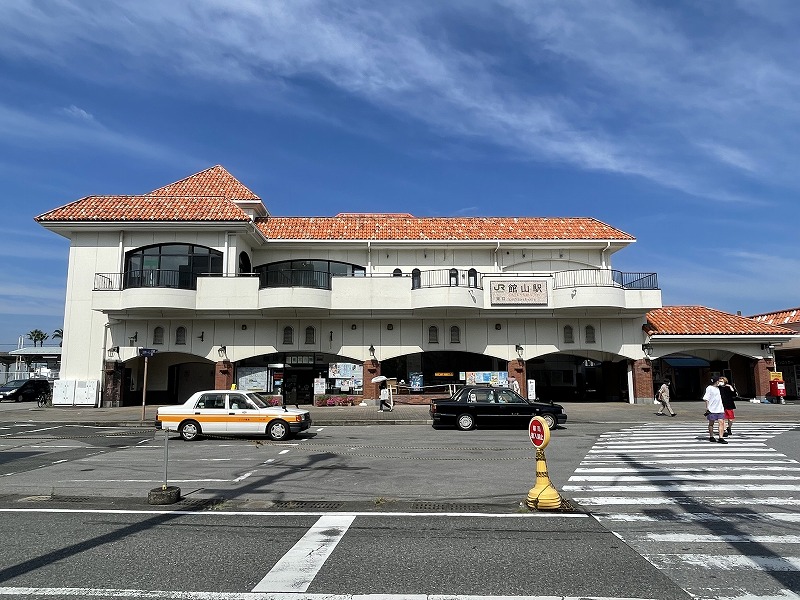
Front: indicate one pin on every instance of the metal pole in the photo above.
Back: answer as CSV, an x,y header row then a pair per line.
x,y
166,455
144,387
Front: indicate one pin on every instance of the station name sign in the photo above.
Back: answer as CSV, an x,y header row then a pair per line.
x,y
518,291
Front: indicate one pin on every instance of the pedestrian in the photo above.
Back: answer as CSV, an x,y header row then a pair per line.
x,y
384,395
728,393
662,395
515,386
715,412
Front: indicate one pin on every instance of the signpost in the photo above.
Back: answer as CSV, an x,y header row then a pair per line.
x,y
147,353
539,433
543,496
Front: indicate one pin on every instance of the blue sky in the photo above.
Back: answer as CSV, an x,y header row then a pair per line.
x,y
677,122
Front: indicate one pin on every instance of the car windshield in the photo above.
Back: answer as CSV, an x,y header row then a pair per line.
x,y
256,399
15,383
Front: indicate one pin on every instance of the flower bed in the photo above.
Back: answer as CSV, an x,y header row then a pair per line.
x,y
325,400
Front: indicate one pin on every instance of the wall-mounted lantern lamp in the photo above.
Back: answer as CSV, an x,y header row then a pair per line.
x,y
497,326
353,326
113,350
390,326
201,336
647,348
372,351
134,338
519,350
223,351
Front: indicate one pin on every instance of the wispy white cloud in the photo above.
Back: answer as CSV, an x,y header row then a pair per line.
x,y
77,113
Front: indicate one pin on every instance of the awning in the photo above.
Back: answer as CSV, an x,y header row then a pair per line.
x,y
685,361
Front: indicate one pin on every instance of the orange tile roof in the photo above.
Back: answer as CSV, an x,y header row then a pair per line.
x,y
781,317
699,320
349,226
204,196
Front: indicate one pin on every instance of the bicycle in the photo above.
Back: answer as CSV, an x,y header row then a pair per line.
x,y
44,399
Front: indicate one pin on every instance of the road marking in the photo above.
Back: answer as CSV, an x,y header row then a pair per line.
x,y
683,488
255,513
174,595
283,452
726,562
710,469
700,517
680,477
243,477
296,569
693,501
33,430
690,538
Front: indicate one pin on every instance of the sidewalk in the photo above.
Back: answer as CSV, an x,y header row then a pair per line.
x,y
403,414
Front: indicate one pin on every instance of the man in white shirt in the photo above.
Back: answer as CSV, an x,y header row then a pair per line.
x,y
715,412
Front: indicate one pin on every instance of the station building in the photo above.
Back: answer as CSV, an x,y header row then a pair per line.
x,y
313,309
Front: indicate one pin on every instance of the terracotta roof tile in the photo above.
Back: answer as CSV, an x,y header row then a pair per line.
x,y
699,320
396,226
205,196
781,317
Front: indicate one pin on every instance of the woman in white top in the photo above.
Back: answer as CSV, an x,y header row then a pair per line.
x,y
715,412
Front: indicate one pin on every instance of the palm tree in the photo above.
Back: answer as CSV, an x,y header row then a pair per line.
x,y
58,334
37,336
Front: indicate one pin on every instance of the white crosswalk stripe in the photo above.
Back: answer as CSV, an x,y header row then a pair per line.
x,y
719,519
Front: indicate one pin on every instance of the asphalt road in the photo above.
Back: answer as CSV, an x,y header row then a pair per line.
x,y
660,513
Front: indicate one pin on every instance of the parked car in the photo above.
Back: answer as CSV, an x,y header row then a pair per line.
x,y
24,389
475,406
231,412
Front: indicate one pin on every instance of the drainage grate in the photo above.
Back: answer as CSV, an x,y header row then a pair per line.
x,y
446,507
201,504
303,505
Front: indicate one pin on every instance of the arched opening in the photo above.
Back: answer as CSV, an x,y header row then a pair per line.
x,y
244,263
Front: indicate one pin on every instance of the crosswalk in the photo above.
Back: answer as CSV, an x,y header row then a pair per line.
x,y
720,520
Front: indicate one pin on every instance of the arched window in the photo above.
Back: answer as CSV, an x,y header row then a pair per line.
x,y
433,334
170,265
569,338
455,335
397,273
158,336
590,334
288,336
180,336
311,335
472,278
416,279
244,263
453,276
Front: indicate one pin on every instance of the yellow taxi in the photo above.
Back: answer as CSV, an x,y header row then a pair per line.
x,y
224,412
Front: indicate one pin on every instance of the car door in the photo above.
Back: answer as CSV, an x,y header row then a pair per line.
x,y
516,412
483,406
243,416
211,412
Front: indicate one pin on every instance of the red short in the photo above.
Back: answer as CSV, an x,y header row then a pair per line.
x,y
729,414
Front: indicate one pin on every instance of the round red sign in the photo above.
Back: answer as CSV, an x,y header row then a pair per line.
x,y
539,432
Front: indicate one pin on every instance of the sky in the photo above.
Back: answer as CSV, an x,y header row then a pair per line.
x,y
676,122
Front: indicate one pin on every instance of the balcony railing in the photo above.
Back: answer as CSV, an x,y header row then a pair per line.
x,y
605,278
320,280
146,278
447,278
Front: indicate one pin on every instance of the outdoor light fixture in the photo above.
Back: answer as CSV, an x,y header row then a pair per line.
x,y
113,350
647,348
372,351
223,350
134,338
497,326
353,326
519,350
390,327
201,336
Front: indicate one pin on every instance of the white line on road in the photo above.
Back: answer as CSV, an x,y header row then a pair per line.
x,y
255,513
700,517
753,487
666,500
689,538
681,477
243,477
296,569
726,562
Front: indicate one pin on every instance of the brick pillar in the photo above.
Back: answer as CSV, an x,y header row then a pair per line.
x,y
642,382
223,375
372,368
761,377
517,370
112,383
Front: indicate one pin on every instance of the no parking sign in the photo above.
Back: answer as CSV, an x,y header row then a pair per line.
x,y
539,432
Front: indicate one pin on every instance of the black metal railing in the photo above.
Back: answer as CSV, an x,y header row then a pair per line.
x,y
320,280
447,278
605,278
145,278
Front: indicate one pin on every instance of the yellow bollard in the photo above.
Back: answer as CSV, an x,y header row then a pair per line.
x,y
543,495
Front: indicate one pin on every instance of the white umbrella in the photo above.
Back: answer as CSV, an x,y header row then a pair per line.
x,y
379,378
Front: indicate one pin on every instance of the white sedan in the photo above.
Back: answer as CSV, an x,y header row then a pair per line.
x,y
225,412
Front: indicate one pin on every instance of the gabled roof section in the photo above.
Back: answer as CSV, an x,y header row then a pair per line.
x,y
781,317
208,196
404,227
699,320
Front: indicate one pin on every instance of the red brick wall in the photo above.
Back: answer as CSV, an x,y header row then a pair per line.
x,y
372,368
516,370
223,375
642,382
761,377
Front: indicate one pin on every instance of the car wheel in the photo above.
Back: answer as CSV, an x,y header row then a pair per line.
x,y
278,430
189,430
549,419
465,422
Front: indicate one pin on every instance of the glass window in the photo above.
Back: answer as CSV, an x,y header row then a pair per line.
x,y
472,278
310,335
433,334
397,273
455,335
170,265
288,335
568,336
508,397
416,279
590,334
180,336
158,336
453,276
